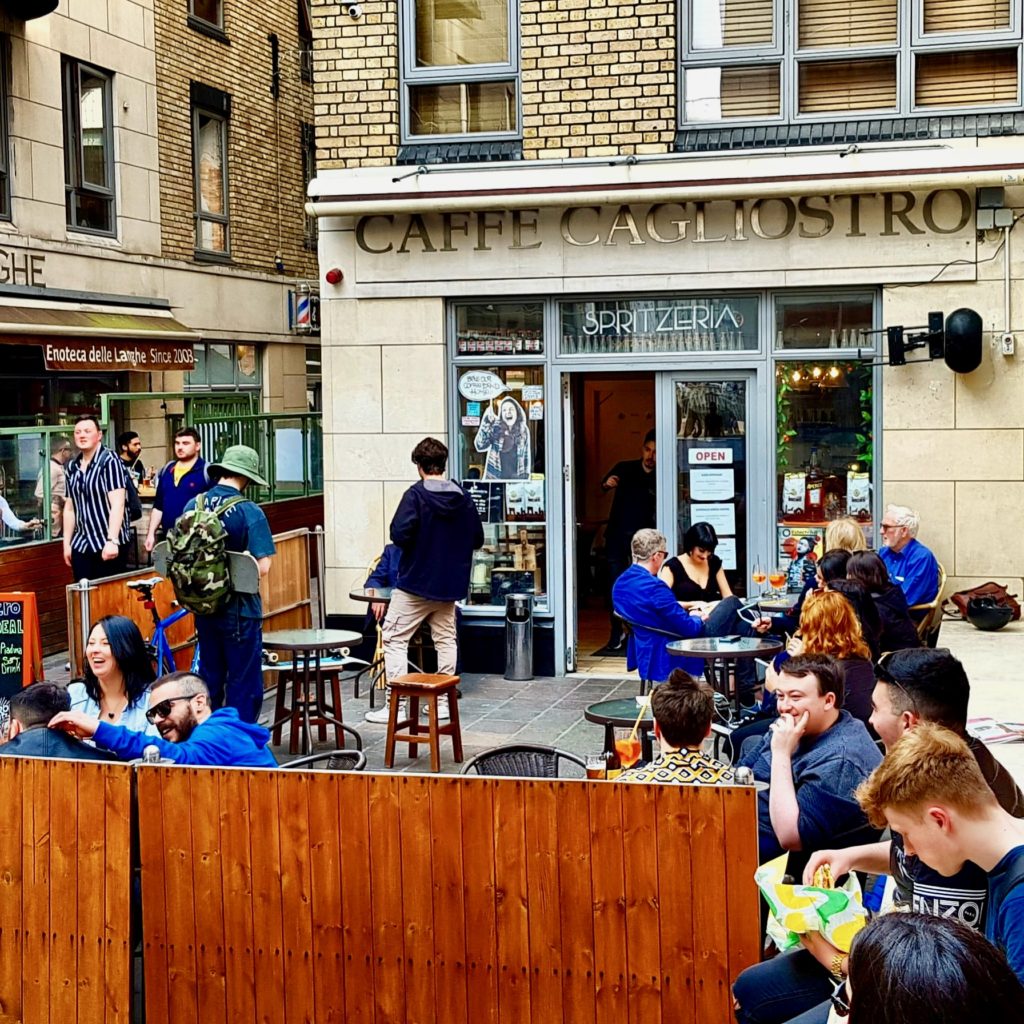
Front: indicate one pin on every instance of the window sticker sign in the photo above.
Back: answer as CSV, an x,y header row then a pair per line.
x,y
481,385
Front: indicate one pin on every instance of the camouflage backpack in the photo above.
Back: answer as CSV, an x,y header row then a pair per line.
x,y
198,565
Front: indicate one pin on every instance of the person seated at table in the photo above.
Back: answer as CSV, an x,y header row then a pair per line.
x,y
696,577
190,731
829,626
682,709
897,631
813,758
647,603
909,563
31,711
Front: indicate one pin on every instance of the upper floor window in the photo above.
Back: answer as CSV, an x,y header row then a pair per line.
x,y
88,148
460,60
748,61
307,135
5,149
210,11
228,367
211,109
305,41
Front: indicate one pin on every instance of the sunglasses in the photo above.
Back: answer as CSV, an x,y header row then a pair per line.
x,y
163,709
840,1001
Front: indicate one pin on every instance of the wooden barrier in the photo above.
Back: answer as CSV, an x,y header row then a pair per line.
x,y
65,868
289,896
41,569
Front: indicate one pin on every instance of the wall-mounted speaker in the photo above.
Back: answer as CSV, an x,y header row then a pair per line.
x,y
963,340
26,10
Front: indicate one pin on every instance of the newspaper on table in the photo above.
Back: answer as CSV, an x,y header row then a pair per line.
x,y
838,914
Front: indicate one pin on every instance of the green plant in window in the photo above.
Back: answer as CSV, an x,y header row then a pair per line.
x,y
784,432
860,378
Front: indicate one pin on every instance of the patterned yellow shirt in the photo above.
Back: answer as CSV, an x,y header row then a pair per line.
x,y
681,766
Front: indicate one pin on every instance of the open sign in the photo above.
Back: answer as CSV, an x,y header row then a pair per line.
x,y
710,456
481,385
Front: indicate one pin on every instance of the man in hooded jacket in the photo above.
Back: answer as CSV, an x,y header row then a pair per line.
x,y
437,528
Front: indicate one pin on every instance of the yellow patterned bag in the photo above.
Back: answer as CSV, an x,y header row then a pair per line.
x,y
838,914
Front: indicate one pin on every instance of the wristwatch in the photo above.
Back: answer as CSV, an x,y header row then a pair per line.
x,y
835,967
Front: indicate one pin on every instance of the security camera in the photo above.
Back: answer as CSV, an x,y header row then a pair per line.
x,y
354,10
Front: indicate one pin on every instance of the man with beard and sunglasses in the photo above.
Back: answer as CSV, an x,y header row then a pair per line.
x,y
190,731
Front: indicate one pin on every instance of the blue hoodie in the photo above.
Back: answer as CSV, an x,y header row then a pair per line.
x,y
223,739
437,528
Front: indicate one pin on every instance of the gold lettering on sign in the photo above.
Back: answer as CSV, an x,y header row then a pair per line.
x,y
815,213
698,225
363,224
964,218
624,221
651,226
524,220
450,224
566,225
23,268
891,213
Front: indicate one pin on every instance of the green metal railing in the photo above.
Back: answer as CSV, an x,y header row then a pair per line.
x,y
25,481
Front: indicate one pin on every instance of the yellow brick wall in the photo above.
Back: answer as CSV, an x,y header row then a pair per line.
x,y
356,71
598,79
266,188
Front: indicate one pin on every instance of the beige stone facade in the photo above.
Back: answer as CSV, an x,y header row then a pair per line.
x,y
569,220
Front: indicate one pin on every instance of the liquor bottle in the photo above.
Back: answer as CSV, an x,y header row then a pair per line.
x,y
614,769
814,503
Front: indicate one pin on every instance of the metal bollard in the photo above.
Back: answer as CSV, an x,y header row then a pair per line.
x,y
519,636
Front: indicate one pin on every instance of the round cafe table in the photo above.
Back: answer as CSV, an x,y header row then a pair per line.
x,y
371,595
719,655
612,713
307,646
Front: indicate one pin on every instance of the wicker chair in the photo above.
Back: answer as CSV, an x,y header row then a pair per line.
x,y
525,761
334,761
928,617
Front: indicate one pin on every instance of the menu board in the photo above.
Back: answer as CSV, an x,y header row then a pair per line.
x,y
20,648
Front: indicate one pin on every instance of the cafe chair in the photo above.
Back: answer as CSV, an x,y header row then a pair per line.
x,y
333,761
628,626
928,617
524,761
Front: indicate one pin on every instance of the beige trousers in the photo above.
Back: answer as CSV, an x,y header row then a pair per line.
x,y
405,615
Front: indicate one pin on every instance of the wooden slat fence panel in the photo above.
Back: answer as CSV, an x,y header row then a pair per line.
x,y
65,880
396,899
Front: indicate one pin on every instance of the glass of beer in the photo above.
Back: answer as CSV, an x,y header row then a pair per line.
x,y
597,766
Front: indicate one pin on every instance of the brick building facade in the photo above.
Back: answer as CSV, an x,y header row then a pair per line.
x,y
585,219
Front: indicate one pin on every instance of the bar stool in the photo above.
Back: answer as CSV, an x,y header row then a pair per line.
x,y
429,687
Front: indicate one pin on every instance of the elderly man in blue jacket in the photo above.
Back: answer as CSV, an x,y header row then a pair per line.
x,y
647,602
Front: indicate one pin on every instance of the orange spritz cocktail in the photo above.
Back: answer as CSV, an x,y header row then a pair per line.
x,y
628,751
777,578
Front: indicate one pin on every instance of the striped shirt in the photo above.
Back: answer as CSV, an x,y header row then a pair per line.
x,y
89,490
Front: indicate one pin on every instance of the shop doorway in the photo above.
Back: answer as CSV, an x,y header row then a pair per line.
x,y
608,416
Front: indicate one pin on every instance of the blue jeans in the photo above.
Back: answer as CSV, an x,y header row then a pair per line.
x,y
231,661
790,986
725,620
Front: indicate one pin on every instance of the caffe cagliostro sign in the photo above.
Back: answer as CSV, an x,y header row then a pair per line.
x,y
843,216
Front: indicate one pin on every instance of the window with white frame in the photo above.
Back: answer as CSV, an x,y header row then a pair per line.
x,y
88,148
460,60
210,11
211,110
751,61
220,366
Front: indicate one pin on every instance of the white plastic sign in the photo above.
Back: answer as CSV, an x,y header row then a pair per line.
x,y
481,385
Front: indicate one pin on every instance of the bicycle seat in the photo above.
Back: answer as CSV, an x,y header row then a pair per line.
x,y
145,584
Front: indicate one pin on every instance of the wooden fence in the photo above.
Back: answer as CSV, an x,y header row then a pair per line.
x,y
293,897
65,839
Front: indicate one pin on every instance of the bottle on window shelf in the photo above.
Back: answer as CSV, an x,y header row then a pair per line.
x,y
814,503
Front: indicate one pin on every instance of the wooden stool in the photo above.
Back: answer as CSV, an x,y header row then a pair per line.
x,y
430,687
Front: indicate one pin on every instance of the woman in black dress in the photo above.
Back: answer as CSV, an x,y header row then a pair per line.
x,y
696,576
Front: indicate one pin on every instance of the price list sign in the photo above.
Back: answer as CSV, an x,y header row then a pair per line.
x,y
20,647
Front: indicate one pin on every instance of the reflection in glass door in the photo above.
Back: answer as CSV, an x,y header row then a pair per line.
x,y
711,467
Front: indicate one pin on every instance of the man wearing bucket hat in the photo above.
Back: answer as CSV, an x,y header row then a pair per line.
x,y
231,639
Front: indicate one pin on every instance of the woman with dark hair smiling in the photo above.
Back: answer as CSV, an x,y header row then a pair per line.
x,y
914,967
118,675
898,631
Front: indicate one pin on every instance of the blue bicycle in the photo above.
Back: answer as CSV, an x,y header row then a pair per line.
x,y
159,646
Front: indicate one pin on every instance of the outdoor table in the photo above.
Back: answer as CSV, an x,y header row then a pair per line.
x,y
612,713
371,594
779,604
306,647
719,654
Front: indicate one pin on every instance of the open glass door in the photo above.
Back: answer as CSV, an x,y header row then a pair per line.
x,y
569,527
712,479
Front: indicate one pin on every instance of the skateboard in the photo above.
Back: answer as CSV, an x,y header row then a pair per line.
x,y
244,570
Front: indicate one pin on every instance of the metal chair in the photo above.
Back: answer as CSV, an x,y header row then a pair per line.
x,y
335,761
928,617
631,627
523,760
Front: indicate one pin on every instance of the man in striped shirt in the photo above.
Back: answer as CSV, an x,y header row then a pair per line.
x,y
95,524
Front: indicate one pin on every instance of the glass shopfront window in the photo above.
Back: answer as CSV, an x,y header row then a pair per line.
x,y
660,325
814,322
499,329
501,464
824,456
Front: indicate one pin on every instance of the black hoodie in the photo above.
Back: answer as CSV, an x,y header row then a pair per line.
x,y
437,528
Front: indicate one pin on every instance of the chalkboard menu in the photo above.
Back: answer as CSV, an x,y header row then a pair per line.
x,y
20,648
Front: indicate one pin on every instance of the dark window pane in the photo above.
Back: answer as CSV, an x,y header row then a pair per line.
x,y
208,10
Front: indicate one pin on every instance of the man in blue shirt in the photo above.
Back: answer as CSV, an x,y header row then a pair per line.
x,y
931,790
909,563
179,482
813,758
190,731
231,640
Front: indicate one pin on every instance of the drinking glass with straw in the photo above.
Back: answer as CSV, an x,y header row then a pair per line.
x,y
628,748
